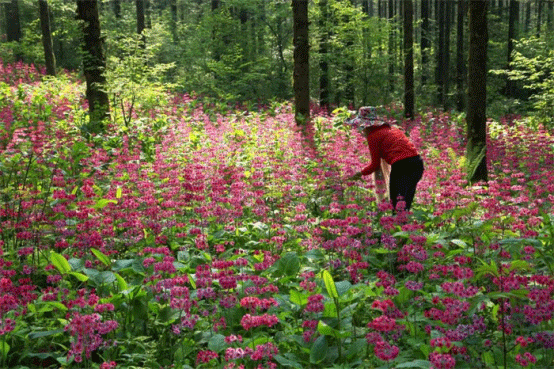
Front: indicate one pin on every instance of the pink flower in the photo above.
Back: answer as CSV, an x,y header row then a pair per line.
x,y
206,356
442,361
385,351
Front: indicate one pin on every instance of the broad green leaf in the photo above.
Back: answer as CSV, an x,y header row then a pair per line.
x,y
459,243
4,349
34,335
102,203
80,276
121,284
298,298
286,362
217,343
330,284
51,305
319,350
289,264
104,259
60,262
343,287
325,329
423,364
118,193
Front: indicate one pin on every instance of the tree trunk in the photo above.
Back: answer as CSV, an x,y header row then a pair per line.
x,y
527,23
94,64
13,28
117,8
408,59
512,34
476,149
323,55
301,78
148,14
425,39
461,72
392,53
439,76
141,24
349,90
173,7
446,55
139,4
550,16
539,17
49,58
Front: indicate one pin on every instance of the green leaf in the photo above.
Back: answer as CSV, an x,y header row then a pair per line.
x,y
104,259
60,262
51,305
286,362
343,287
118,193
121,284
289,265
423,364
319,350
298,298
217,343
4,349
34,335
80,276
330,284
325,329
459,243
102,203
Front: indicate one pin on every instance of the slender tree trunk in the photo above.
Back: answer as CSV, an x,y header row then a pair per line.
x,y
512,35
13,28
148,14
439,72
461,72
527,23
539,17
117,8
301,80
408,59
49,58
173,8
141,24
392,54
476,149
446,54
425,39
94,64
550,16
323,55
139,4
349,92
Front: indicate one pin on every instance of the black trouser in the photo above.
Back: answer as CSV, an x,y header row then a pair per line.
x,y
404,176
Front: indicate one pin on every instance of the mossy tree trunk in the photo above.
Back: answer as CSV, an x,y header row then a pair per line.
x,y
476,149
49,58
94,64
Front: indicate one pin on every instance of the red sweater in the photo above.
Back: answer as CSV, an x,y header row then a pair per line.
x,y
388,143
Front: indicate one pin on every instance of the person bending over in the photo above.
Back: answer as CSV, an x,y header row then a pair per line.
x,y
390,144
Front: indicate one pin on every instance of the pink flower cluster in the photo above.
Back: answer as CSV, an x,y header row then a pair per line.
x,y
87,331
252,321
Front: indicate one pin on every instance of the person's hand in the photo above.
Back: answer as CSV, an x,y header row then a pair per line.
x,y
356,177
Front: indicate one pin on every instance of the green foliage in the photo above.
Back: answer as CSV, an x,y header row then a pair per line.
x,y
532,65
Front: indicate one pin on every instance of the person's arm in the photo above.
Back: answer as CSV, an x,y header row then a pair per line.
x,y
375,158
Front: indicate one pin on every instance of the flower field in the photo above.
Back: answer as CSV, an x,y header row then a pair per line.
x,y
202,236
